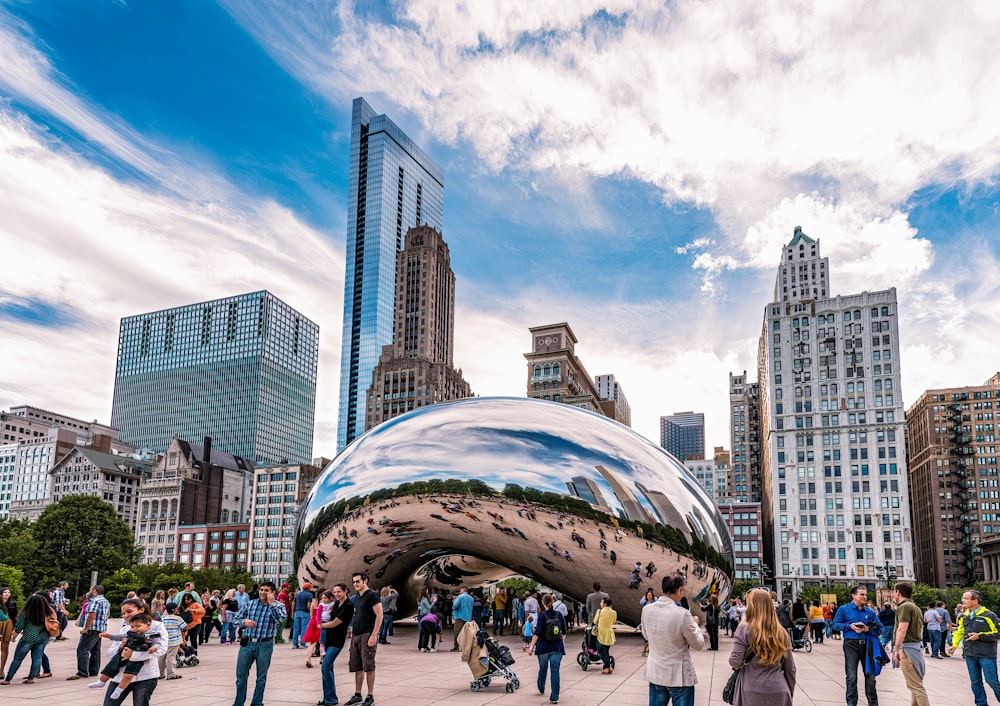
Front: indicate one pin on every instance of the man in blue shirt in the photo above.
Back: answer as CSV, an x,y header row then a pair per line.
x,y
95,621
258,620
300,619
855,620
461,611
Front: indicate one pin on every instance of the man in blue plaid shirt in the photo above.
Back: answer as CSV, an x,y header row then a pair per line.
x,y
95,621
59,601
258,621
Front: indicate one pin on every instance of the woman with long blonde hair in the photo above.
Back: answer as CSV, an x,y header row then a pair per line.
x,y
769,675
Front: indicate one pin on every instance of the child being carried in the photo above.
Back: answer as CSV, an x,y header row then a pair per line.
x,y
137,640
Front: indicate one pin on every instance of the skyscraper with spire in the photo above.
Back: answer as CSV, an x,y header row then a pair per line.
x,y
393,185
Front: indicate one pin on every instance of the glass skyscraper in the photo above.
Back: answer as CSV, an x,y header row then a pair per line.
x,y
241,370
393,186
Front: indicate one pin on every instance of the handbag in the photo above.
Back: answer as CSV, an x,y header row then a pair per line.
x,y
729,690
52,626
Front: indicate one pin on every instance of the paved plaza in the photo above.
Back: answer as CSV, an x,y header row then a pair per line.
x,y
407,677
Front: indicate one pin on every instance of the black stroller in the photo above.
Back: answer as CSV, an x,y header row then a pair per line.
x,y
588,652
186,656
498,661
800,635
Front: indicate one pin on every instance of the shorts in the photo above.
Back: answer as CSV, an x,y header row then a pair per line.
x,y
362,657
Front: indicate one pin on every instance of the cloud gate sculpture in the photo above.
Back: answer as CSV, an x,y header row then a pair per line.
x,y
474,491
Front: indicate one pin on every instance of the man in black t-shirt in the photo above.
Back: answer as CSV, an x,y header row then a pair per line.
x,y
335,632
364,641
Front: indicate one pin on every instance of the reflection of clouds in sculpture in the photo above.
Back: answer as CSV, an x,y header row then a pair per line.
x,y
536,445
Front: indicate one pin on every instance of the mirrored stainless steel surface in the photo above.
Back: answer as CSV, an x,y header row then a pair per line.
x,y
472,491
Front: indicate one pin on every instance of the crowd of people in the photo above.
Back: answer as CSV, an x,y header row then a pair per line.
x,y
161,631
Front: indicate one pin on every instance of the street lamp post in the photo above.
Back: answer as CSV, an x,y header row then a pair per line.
x,y
887,574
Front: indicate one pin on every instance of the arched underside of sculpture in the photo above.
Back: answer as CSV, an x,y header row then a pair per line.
x,y
471,492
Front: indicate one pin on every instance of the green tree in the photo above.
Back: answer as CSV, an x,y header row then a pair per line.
x,y
118,584
924,594
78,535
164,582
742,587
13,578
18,549
519,584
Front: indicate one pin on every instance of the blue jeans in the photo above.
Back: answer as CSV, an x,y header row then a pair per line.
x,y
982,669
605,653
935,640
259,652
553,660
326,670
88,654
383,632
37,649
228,628
299,624
498,616
663,695
829,628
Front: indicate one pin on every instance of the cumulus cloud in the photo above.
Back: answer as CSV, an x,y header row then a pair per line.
x,y
75,238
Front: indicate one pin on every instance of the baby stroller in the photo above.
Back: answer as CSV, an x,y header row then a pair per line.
x,y
186,656
498,661
588,654
800,635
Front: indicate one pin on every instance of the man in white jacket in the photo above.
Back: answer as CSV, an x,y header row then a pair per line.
x,y
672,633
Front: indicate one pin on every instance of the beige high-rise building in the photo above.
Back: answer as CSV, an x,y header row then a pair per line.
x,y
417,370
554,371
951,449
833,457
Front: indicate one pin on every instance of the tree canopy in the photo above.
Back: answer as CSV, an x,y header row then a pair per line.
x,y
78,535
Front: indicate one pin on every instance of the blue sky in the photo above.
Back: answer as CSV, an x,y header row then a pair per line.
x,y
630,167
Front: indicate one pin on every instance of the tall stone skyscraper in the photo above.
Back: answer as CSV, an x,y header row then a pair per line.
x,y
833,453
417,368
241,370
393,185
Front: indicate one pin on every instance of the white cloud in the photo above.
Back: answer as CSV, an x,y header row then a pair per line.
x,y
74,238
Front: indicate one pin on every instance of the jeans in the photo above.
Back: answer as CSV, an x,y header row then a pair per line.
x,y
545,661
936,642
982,669
854,657
228,632
259,652
326,670
605,653
141,692
663,695
829,627
498,619
37,649
88,654
383,633
299,624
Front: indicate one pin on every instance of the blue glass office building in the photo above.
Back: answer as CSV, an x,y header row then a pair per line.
x,y
393,186
241,370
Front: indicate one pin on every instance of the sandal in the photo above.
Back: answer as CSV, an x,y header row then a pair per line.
x,y
28,681
5,682
43,676
309,664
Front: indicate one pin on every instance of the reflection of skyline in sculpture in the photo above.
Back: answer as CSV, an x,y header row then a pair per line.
x,y
587,490
630,505
532,486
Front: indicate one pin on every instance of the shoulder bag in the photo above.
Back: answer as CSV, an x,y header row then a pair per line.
x,y
729,690
52,624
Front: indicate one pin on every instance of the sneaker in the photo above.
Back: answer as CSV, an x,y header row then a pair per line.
x,y
356,699
422,649
369,700
432,650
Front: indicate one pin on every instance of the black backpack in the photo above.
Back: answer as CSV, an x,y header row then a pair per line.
x,y
553,628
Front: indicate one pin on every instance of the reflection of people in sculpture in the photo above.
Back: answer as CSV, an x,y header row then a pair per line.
x,y
650,569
